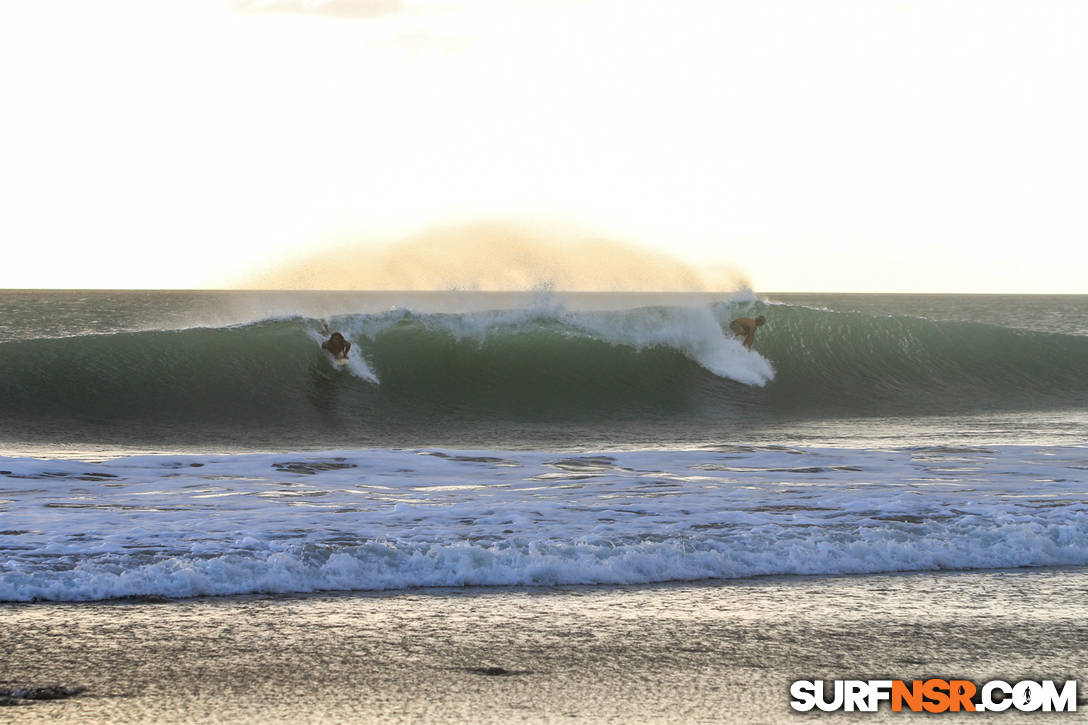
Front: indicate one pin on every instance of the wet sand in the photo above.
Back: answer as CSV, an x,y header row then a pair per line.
x,y
692,653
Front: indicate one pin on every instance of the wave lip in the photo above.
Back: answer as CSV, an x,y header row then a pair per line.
x,y
183,526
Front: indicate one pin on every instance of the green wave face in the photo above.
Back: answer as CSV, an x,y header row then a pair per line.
x,y
857,364
512,370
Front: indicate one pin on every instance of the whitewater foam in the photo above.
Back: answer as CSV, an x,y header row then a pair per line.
x,y
694,330
380,519
356,364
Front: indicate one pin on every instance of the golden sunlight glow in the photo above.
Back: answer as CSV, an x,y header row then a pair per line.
x,y
495,257
849,145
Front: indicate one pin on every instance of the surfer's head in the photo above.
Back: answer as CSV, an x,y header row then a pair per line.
x,y
760,320
337,345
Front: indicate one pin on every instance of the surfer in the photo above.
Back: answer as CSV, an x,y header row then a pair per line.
x,y
746,326
336,345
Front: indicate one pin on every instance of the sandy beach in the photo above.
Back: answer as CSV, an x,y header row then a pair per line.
x,y
700,652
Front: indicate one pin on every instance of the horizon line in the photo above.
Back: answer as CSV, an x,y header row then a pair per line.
x,y
524,291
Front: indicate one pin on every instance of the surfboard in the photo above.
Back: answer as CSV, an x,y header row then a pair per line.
x,y
340,360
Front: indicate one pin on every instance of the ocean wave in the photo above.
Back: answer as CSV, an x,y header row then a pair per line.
x,y
181,526
540,364
384,565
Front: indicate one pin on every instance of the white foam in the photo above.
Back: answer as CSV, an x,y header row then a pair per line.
x,y
380,519
356,364
692,330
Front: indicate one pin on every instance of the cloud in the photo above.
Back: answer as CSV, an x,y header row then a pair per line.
x,y
329,8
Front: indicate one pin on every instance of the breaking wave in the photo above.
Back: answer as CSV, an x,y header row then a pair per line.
x,y
542,365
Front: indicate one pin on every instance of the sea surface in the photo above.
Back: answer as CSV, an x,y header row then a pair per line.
x,y
180,444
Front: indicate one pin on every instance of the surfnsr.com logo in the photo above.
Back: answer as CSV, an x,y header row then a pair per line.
x,y
933,695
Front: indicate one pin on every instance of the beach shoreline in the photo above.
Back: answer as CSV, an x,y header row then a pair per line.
x,y
680,652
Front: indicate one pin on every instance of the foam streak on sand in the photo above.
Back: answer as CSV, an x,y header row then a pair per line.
x,y
385,519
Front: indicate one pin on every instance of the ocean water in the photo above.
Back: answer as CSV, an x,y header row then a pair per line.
x,y
188,443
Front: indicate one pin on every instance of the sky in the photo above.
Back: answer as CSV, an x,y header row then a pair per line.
x,y
841,145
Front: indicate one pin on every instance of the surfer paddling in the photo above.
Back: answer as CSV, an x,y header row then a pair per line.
x,y
336,345
746,327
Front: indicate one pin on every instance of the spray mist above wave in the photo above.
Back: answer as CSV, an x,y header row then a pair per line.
x,y
496,257
505,257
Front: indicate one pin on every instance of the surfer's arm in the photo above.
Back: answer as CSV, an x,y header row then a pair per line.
x,y
750,338
347,346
